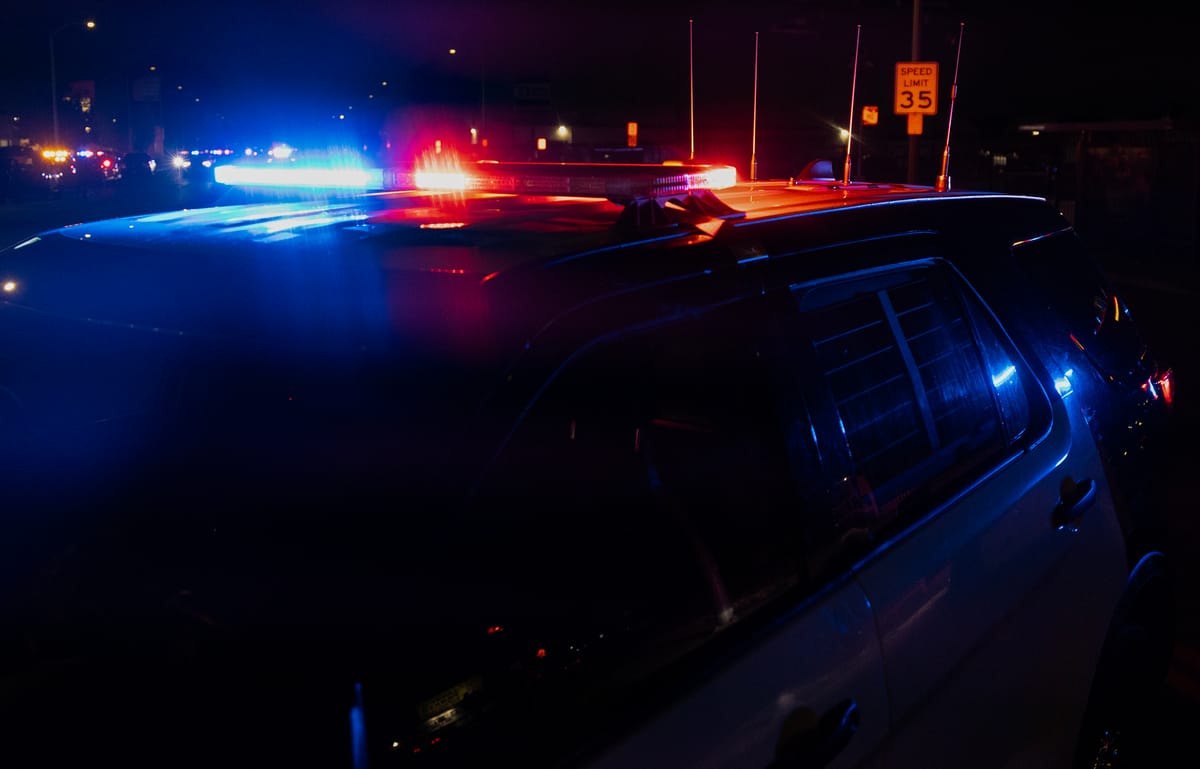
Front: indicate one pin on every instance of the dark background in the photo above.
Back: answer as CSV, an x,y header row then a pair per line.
x,y
1112,87
232,74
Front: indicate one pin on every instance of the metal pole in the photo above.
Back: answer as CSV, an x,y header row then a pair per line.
x,y
358,730
754,120
916,56
943,180
850,124
54,74
54,88
691,91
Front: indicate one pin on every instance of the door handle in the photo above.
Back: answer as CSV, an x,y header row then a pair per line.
x,y
806,742
1074,498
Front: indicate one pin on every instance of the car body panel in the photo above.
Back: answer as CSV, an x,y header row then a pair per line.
x,y
807,662
993,567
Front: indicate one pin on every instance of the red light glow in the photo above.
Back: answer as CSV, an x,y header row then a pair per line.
x,y
1166,388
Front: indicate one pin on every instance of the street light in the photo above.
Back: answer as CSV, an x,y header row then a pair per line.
x,y
89,24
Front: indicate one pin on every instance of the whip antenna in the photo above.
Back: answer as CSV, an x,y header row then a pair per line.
x,y
691,91
943,180
850,125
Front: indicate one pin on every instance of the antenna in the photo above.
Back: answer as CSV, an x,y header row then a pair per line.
x,y
692,90
943,180
754,120
850,125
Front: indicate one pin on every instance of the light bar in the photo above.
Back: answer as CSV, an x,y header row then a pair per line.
x,y
307,177
618,181
716,178
615,181
439,180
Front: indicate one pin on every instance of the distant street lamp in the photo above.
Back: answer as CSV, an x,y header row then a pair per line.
x,y
89,24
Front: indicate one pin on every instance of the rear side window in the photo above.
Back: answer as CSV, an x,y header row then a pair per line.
x,y
914,394
665,443
638,508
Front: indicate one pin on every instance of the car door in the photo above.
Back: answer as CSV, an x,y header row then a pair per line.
x,y
975,511
808,693
664,440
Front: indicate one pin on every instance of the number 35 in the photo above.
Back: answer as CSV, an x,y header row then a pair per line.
x,y
918,99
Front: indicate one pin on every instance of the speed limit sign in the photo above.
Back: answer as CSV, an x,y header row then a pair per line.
x,y
916,87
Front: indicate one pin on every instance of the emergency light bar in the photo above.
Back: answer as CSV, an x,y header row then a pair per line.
x,y
616,181
619,182
302,177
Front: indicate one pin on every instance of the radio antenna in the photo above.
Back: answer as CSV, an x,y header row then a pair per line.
x,y
691,91
943,180
754,119
850,125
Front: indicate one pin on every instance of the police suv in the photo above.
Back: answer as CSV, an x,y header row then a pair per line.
x,y
549,465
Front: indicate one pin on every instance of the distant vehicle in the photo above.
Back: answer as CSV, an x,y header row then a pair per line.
x,y
20,174
137,166
552,465
196,167
103,164
88,171
34,173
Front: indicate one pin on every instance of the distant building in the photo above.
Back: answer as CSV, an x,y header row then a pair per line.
x,y
1132,186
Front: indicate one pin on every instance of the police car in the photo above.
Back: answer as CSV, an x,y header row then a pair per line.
x,y
552,465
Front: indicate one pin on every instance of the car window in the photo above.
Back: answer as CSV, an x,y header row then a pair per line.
x,y
644,503
914,394
715,443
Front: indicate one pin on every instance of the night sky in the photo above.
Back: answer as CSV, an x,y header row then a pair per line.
x,y
260,68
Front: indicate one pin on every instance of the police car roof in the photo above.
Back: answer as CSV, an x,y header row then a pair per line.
x,y
527,225
590,243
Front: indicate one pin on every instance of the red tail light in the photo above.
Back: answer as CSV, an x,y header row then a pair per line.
x,y
1161,386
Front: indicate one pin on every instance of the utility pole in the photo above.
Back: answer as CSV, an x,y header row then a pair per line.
x,y
89,24
916,56
54,87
